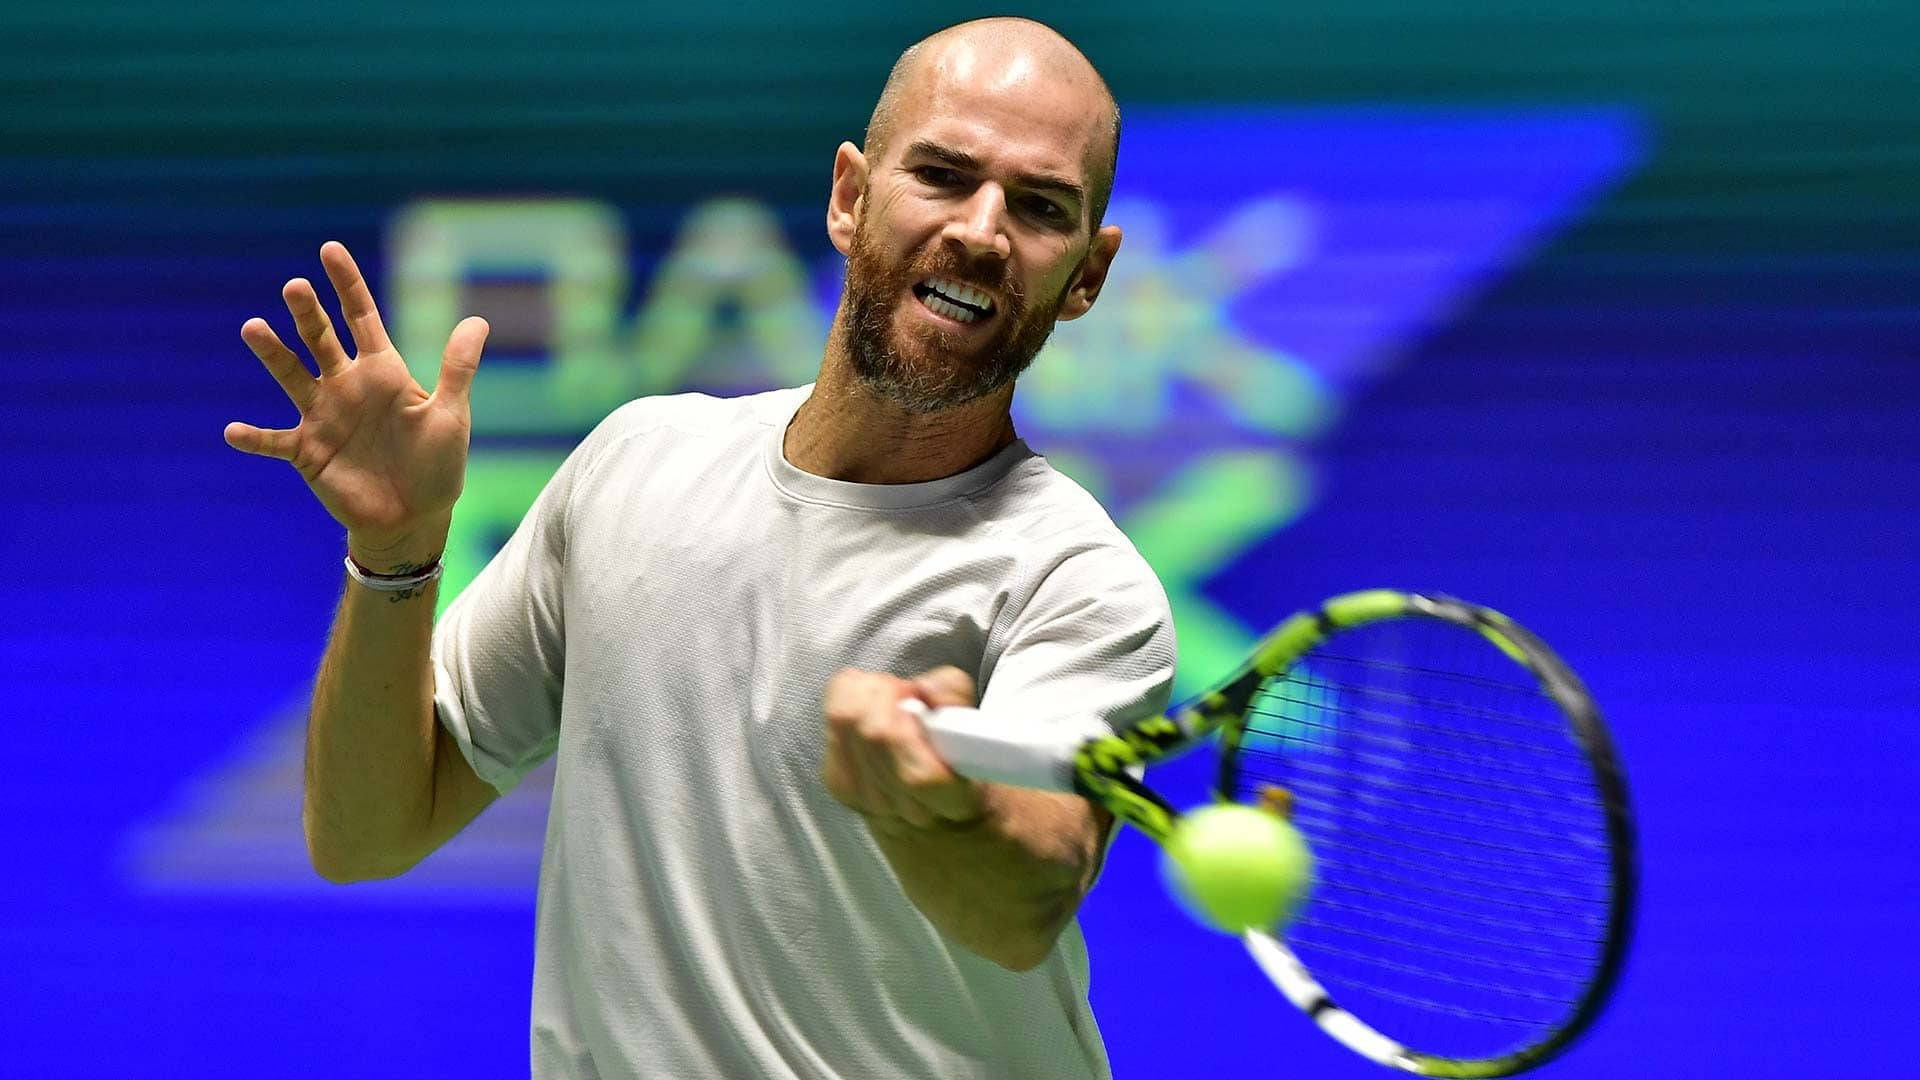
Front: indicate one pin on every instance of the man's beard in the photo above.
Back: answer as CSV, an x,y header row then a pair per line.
x,y
935,370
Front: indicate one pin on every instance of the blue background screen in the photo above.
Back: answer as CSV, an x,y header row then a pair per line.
x,y
1606,321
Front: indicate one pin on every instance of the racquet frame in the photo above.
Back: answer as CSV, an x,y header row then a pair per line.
x,y
1105,766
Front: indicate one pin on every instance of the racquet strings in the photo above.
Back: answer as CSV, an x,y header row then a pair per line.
x,y
1464,872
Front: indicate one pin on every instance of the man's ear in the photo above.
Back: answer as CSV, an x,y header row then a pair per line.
x,y
1093,273
843,202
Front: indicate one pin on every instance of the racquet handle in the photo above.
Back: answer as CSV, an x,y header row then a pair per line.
x,y
1032,755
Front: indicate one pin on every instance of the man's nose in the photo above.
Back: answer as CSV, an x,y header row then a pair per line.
x,y
980,227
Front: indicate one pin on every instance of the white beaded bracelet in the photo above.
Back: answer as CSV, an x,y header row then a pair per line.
x,y
391,582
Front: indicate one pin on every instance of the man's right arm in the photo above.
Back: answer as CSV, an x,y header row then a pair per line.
x,y
385,784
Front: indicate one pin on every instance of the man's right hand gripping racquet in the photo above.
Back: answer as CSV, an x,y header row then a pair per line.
x,y
1468,817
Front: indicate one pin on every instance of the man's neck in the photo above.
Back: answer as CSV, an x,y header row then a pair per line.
x,y
848,431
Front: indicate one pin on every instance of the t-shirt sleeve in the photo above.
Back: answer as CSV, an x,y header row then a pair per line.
x,y
499,650
1095,639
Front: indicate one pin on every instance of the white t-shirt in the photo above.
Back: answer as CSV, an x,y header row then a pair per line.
x,y
666,619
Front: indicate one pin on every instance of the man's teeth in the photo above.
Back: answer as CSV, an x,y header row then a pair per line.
x,y
961,303
950,310
966,294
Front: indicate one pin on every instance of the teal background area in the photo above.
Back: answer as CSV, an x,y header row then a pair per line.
x,y
1675,434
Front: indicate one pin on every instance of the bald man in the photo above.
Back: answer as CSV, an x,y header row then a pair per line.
x,y
756,865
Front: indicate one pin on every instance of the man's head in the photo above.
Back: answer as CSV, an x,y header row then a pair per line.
x,y
971,221
1043,45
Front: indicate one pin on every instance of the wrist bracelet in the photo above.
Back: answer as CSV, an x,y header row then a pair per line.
x,y
392,582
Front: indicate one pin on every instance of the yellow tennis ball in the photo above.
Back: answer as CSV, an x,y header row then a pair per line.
x,y
1236,867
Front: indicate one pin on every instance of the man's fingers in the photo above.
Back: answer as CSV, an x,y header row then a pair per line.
x,y
462,359
944,686
880,760
946,794
280,361
935,790
914,759
854,775
266,442
892,792
314,326
356,300
910,766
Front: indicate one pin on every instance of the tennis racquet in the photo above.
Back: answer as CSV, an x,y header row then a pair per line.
x,y
1469,820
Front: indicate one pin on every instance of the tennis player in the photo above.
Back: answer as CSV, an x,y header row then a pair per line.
x,y
755,863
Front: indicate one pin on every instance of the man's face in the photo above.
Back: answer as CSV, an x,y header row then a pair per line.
x,y
973,231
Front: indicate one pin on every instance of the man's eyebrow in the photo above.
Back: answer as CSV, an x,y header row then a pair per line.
x,y
962,160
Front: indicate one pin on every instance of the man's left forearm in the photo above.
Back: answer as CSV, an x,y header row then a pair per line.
x,y
1005,885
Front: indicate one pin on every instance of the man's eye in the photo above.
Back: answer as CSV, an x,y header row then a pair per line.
x,y
1046,210
937,176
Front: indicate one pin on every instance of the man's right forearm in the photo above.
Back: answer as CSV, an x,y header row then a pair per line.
x,y
371,732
